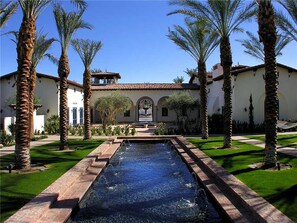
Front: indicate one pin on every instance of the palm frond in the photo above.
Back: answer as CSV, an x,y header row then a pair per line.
x,y
86,49
33,8
254,48
288,24
15,36
52,58
42,44
6,11
197,40
81,4
67,23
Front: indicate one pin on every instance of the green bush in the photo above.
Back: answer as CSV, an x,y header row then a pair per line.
x,y
133,131
52,125
99,131
6,139
93,131
161,129
117,130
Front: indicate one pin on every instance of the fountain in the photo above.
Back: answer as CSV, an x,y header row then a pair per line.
x,y
144,186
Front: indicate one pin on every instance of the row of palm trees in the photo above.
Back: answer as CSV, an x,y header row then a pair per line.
x,y
215,20
30,49
211,23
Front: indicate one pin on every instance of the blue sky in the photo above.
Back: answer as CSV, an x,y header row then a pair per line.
x,y
134,40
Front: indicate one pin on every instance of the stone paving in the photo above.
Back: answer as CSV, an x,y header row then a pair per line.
x,y
281,149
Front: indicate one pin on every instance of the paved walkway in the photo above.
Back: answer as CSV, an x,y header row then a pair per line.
x,y
281,149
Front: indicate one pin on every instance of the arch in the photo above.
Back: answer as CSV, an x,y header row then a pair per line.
x,y
145,109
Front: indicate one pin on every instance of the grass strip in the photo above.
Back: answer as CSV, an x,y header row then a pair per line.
x,y
277,187
18,189
289,140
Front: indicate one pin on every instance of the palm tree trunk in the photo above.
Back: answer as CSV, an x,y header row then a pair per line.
x,y
226,62
24,50
87,96
63,71
203,98
32,85
268,35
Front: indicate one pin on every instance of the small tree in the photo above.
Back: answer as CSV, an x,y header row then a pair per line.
x,y
251,114
110,106
182,103
178,80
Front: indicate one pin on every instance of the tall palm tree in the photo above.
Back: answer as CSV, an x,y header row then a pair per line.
x,y
289,26
224,16
42,44
268,36
31,9
7,9
67,24
87,50
254,48
199,42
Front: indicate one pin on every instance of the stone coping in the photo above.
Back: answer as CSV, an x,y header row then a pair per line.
x,y
220,182
238,202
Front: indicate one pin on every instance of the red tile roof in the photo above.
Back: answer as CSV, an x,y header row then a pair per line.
x,y
148,86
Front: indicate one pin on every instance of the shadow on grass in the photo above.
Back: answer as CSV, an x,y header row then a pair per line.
x,y
285,200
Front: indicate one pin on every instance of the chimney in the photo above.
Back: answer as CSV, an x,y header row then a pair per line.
x,y
217,70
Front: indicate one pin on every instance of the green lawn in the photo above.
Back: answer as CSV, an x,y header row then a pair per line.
x,y
18,189
283,140
278,187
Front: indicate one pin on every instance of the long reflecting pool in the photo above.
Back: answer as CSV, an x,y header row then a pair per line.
x,y
146,182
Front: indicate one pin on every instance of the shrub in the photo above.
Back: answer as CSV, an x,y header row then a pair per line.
x,y
117,130
161,129
5,139
216,123
99,131
52,125
93,131
127,130
133,131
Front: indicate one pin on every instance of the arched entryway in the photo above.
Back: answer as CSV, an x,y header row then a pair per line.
x,y
145,107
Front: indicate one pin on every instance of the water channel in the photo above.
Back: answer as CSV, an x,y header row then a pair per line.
x,y
146,182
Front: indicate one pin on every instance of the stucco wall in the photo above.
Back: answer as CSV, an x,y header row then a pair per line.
x,y
252,83
47,90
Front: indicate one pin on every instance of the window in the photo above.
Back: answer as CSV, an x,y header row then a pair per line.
x,y
81,115
127,113
164,111
74,116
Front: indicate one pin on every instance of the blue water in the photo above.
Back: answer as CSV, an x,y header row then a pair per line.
x,y
146,182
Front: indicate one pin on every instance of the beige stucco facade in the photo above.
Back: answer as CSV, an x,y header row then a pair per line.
x,y
47,89
249,81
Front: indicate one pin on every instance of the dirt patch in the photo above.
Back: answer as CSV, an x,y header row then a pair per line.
x,y
278,167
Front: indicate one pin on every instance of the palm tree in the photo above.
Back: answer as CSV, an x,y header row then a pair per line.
x,y
268,36
198,41
40,47
225,17
254,48
25,46
6,11
67,24
42,44
289,26
87,50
